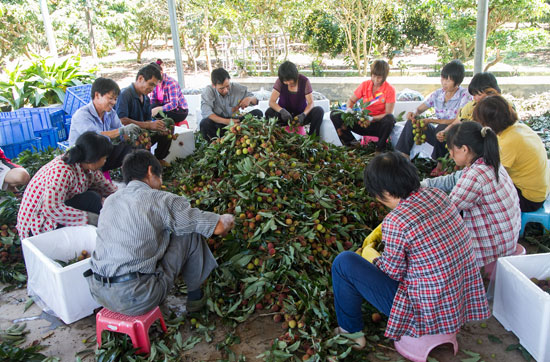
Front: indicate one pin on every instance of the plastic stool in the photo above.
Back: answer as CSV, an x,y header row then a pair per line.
x,y
490,269
137,327
181,123
541,216
107,175
300,130
418,349
366,139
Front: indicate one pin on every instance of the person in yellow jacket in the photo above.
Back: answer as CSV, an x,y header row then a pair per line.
x,y
522,152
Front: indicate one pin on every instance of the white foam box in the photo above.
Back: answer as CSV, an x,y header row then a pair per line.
x,y
182,146
520,305
62,290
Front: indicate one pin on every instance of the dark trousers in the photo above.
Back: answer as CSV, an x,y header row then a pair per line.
x,y
163,145
314,118
115,158
178,115
406,140
381,129
86,201
209,128
526,205
354,279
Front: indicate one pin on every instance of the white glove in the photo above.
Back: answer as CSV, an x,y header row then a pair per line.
x,y
228,221
129,130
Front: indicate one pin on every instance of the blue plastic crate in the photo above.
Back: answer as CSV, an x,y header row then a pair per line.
x,y
76,97
15,130
49,137
67,130
58,122
15,149
63,146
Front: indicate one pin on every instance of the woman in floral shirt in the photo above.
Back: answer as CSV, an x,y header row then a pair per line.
x,y
426,280
68,190
446,102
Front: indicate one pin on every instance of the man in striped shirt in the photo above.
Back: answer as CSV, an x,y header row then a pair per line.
x,y
146,238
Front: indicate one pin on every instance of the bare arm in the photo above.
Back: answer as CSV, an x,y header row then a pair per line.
x,y
389,110
151,125
273,101
309,100
351,101
221,120
111,134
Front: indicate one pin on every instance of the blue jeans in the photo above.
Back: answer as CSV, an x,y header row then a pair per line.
x,y
355,279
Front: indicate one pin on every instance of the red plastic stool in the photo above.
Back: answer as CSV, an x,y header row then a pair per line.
x,y
300,130
107,175
181,123
418,349
137,327
366,139
490,269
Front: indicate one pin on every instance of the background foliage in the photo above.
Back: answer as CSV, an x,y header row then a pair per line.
x,y
358,30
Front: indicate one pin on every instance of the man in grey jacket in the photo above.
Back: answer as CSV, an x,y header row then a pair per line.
x,y
146,238
221,102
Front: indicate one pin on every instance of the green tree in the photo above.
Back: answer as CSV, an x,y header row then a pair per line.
x,y
322,31
135,23
456,26
20,29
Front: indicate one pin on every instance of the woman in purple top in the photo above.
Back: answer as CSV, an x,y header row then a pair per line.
x,y
295,99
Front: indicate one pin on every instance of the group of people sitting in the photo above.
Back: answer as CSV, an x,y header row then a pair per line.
x,y
427,279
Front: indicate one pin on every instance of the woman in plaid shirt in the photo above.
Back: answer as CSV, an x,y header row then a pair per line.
x,y
68,190
426,280
483,191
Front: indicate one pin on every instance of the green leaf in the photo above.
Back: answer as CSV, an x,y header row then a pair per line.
x,y
494,339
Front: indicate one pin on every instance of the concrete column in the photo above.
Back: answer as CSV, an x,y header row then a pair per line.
x,y
176,41
48,28
481,35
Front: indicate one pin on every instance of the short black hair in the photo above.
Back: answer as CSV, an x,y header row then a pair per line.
x,y
288,71
149,71
482,81
219,76
136,165
89,147
391,172
103,86
381,68
454,70
495,112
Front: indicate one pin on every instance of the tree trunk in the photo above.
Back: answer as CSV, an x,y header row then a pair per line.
x,y
207,41
497,59
90,30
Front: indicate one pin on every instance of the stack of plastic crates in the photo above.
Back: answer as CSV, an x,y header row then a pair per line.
x,y
16,134
76,97
47,124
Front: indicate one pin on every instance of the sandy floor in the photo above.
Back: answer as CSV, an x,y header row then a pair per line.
x,y
64,341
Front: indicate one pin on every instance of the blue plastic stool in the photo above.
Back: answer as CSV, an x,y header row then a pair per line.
x,y
541,216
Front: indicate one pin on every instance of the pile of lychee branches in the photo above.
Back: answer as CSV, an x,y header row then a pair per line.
x,y
298,202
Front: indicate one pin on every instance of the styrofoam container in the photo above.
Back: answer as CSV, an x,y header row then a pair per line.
x,y
520,305
63,291
183,146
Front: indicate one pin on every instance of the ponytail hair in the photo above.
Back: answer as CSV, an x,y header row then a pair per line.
x,y
89,147
481,141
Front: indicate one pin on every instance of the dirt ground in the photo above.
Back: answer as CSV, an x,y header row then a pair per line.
x,y
64,341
